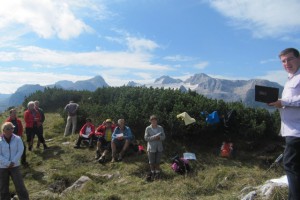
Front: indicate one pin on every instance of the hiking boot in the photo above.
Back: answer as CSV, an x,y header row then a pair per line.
x,y
149,177
38,145
102,159
97,156
45,146
119,158
76,147
157,176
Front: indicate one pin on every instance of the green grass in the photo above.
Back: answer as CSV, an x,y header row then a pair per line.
x,y
211,178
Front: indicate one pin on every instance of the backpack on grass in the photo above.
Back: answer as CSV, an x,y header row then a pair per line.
x,y
180,165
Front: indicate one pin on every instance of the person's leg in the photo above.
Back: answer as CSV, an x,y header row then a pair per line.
x,y
77,145
40,135
74,124
29,137
19,183
113,151
23,158
151,158
67,129
124,149
291,162
4,184
157,164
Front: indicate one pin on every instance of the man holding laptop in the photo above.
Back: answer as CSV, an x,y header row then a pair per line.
x,y
289,107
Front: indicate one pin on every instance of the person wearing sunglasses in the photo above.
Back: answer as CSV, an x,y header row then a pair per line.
x,y
11,149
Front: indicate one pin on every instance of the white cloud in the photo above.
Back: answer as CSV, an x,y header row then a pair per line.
x,y
140,44
279,76
178,58
201,65
117,60
46,18
264,18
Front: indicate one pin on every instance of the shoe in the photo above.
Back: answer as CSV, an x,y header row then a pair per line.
x,y
45,147
102,159
76,147
113,160
157,176
149,177
119,159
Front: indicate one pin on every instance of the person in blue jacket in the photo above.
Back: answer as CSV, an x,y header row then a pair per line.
x,y
11,150
121,138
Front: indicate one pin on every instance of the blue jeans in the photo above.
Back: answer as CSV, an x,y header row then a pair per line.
x,y
291,162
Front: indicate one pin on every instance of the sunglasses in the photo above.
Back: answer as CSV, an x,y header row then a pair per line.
x,y
9,129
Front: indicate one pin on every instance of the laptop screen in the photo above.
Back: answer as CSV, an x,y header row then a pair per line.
x,y
266,94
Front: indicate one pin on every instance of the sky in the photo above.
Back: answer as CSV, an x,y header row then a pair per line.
x,y
45,41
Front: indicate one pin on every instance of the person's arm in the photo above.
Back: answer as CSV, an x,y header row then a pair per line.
x,y
4,160
162,136
148,136
128,135
114,134
20,149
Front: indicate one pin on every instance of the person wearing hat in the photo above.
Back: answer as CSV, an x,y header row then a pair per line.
x,y
11,149
103,135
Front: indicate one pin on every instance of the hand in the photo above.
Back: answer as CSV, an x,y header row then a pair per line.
x,y
12,164
121,138
276,104
157,137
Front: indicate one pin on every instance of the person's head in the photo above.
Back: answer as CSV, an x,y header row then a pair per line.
x,y
30,105
13,113
36,104
108,122
7,129
88,121
121,123
290,60
71,101
153,120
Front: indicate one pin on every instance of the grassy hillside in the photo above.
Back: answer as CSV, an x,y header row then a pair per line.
x,y
212,177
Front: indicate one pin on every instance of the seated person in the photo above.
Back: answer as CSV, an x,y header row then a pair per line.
x,y
121,138
86,133
104,134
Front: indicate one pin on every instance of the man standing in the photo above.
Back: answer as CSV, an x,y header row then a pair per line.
x,y
71,109
289,107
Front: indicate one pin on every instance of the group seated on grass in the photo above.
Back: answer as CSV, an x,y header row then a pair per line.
x,y
108,138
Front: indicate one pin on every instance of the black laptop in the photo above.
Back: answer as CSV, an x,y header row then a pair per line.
x,y
266,94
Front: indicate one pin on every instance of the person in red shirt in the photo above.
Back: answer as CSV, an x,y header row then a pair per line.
x,y
32,120
104,135
86,133
18,130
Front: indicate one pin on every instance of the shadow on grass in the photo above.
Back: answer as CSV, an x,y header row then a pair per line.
x,y
51,152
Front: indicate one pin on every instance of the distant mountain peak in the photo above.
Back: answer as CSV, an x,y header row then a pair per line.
x,y
167,80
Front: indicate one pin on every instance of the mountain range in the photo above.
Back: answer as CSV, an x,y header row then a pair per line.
x,y
227,90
